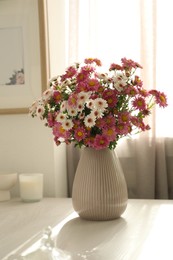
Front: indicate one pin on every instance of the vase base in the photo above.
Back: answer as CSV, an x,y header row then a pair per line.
x,y
98,218
104,214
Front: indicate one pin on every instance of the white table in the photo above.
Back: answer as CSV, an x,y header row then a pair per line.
x,y
23,222
144,232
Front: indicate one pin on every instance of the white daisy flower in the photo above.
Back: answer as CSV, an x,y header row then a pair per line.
x,y
83,96
90,103
67,82
119,85
54,81
81,116
103,76
97,113
67,124
72,112
60,117
120,81
100,104
89,120
80,107
40,111
63,106
47,94
55,78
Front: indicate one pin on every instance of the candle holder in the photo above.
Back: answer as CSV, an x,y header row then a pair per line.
x,y
31,187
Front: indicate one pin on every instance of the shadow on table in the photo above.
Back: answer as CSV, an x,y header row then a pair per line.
x,y
84,239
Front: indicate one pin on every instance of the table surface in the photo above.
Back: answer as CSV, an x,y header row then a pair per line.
x,y
144,232
21,222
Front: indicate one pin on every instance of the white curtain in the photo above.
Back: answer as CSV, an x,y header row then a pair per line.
x,y
139,30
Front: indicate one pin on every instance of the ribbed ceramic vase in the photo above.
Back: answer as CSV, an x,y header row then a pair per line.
x,y
99,188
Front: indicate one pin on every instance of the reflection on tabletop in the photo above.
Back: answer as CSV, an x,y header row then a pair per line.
x,y
85,239
76,239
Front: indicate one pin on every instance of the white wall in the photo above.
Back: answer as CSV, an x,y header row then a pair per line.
x,y
26,145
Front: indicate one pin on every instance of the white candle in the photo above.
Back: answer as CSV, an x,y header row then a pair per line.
x,y
31,186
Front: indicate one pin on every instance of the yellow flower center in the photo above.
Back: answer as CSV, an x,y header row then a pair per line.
x,y
62,130
124,118
80,133
110,132
92,83
139,103
162,98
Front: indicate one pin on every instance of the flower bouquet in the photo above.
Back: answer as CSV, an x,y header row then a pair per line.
x,y
95,109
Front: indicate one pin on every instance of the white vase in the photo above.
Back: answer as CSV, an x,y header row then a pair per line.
x,y
99,188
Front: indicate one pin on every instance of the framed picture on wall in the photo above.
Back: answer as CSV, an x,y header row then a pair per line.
x,y
23,63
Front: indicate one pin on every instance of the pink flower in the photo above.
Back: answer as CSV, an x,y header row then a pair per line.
x,y
51,119
76,123
70,72
139,103
110,96
110,133
89,141
108,93
81,87
91,60
93,84
138,81
143,92
122,128
114,66
57,141
109,121
57,96
101,142
87,70
128,63
131,91
160,97
100,123
81,77
124,117
111,100
138,122
106,122
80,133
59,131
72,101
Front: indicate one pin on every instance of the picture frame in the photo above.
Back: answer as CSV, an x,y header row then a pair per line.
x,y
23,54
